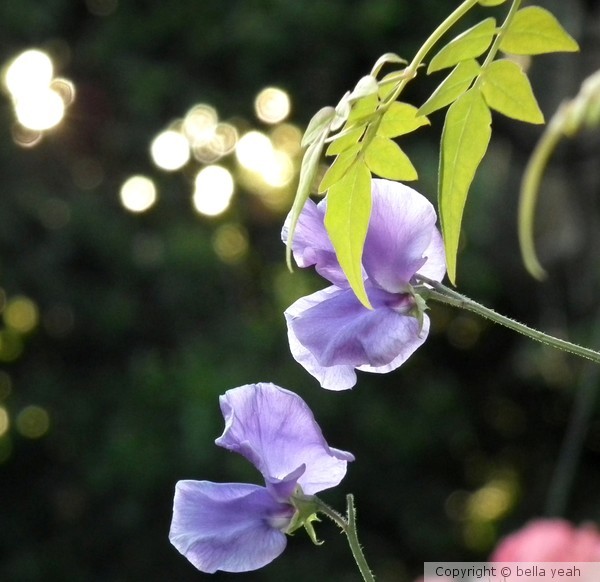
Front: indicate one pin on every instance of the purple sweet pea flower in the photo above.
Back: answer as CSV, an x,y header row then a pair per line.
x,y
330,332
238,527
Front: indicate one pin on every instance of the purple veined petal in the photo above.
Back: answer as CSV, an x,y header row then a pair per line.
x,y
276,431
401,230
340,333
401,357
329,377
282,489
312,245
435,266
228,526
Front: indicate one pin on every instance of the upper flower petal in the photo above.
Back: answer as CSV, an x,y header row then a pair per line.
x,y
276,431
312,245
332,330
402,237
228,526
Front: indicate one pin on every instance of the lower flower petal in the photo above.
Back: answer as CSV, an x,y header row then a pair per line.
x,y
228,526
331,333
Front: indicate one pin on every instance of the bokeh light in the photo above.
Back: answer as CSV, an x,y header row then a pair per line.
x,y
33,422
254,151
28,73
65,89
272,105
138,193
199,124
21,314
213,190
170,150
287,138
230,242
4,421
40,110
11,345
224,139
25,137
280,171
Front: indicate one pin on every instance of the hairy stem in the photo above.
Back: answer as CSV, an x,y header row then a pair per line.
x,y
348,526
443,294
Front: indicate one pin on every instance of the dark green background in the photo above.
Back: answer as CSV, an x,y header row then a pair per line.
x,y
132,386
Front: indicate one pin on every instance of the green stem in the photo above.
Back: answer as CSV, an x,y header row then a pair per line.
x,y
530,187
496,44
348,526
443,294
411,70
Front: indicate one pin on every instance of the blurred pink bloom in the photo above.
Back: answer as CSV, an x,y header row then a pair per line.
x,y
550,540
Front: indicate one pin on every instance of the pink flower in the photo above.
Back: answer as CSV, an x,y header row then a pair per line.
x,y
550,540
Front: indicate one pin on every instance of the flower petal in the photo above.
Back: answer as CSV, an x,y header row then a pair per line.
x,y
331,332
276,431
312,245
330,377
401,232
228,526
435,266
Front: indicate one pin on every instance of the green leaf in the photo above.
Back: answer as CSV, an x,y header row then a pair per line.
x,y
491,2
347,221
465,139
362,109
386,58
399,119
338,169
468,45
506,89
389,82
317,125
534,31
366,85
308,171
385,158
452,87
347,138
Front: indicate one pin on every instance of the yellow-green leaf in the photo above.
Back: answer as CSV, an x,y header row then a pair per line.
x,y
399,119
389,83
308,171
506,89
347,220
317,125
465,139
452,87
385,158
362,109
491,2
468,45
535,31
386,58
339,167
347,138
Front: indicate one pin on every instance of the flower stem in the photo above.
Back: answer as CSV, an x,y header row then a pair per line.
x,y
348,526
443,294
411,70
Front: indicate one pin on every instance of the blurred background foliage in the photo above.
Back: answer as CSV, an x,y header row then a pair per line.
x,y
126,313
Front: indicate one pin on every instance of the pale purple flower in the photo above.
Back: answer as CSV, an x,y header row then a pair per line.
x,y
238,527
330,332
